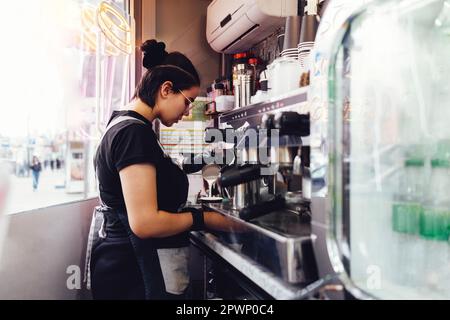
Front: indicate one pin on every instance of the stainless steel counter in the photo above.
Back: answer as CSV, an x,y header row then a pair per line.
x,y
274,252
255,272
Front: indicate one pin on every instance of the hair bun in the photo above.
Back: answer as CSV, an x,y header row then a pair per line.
x,y
154,53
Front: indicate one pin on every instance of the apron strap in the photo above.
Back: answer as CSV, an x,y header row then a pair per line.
x,y
148,262
97,228
116,121
92,238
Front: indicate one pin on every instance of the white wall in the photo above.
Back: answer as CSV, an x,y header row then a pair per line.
x,y
181,24
39,248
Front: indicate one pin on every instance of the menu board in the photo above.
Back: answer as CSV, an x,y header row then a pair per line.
x,y
188,135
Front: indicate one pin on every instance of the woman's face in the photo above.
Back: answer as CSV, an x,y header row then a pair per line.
x,y
173,105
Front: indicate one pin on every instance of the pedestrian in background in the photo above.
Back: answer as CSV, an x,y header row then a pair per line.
x,y
36,168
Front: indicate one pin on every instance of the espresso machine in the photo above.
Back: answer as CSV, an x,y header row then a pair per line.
x,y
262,190
288,158
269,164
246,180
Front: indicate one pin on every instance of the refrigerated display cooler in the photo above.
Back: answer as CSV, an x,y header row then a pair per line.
x,y
381,160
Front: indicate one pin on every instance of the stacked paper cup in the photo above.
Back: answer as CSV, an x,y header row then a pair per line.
x,y
291,53
306,41
303,52
291,35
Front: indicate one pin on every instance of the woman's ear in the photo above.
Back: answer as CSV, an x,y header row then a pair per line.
x,y
166,89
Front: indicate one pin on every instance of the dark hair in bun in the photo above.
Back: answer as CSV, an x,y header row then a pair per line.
x,y
154,53
161,67
147,89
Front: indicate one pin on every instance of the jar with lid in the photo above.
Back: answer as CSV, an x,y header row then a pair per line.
x,y
219,90
239,64
225,81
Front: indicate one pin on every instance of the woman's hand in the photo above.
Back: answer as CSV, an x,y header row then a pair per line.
x,y
146,221
219,222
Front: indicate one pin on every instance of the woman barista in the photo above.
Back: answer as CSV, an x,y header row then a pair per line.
x,y
144,253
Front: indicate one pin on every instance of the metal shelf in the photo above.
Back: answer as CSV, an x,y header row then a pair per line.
x,y
291,99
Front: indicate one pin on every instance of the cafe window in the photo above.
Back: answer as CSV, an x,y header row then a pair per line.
x,y
66,65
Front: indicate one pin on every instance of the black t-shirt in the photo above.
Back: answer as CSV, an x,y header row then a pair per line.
x,y
130,142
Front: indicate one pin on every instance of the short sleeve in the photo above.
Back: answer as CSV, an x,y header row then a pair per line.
x,y
134,144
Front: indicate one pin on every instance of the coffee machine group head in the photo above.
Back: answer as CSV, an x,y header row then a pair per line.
x,y
285,132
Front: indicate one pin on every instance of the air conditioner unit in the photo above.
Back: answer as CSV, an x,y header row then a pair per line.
x,y
237,25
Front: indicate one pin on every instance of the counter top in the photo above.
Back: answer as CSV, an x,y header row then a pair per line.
x,y
259,275
283,224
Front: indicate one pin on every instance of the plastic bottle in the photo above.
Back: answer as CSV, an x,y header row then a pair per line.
x,y
407,202
253,62
406,210
435,217
435,223
209,93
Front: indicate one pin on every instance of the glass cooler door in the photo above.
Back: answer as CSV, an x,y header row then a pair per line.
x,y
390,150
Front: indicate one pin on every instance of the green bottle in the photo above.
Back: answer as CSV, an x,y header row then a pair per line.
x,y
435,217
407,206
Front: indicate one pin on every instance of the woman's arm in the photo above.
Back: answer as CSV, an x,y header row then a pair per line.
x,y
140,194
146,221
216,221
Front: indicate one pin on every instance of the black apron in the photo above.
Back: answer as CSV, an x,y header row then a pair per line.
x,y
119,265
124,266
